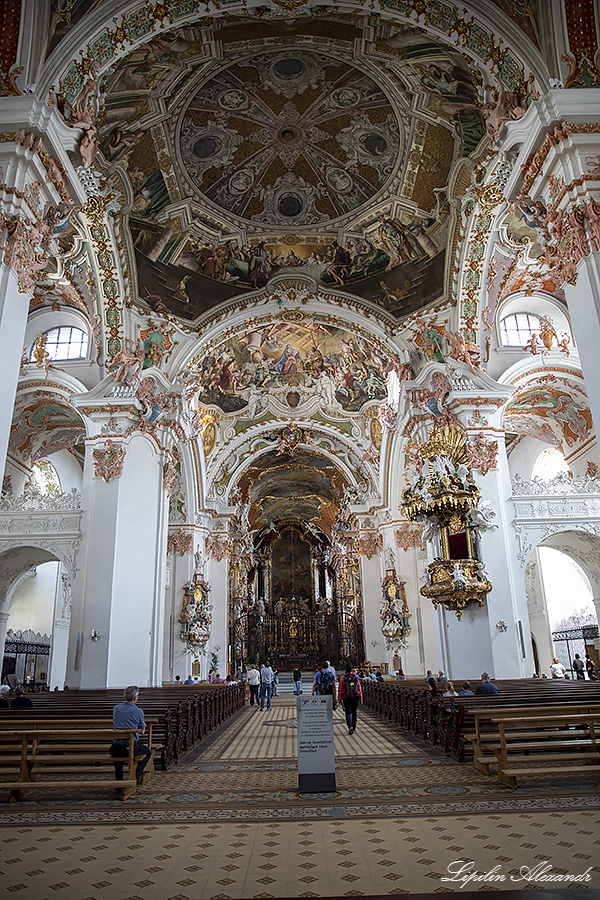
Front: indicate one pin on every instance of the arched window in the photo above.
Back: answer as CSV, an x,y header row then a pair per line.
x,y
549,464
65,343
516,330
45,477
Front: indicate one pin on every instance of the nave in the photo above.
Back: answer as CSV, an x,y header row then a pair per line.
x,y
227,822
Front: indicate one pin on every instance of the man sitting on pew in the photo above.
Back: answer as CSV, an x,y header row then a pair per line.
x,y
486,686
129,715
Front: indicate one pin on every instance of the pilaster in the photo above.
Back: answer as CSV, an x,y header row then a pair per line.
x,y
118,632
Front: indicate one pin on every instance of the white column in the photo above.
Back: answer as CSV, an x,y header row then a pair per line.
x,y
119,591
60,630
503,654
217,578
14,307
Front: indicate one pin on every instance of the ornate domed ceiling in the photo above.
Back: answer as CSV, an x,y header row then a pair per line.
x,y
290,138
323,147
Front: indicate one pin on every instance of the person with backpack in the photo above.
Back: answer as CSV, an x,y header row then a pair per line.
x,y
324,682
350,695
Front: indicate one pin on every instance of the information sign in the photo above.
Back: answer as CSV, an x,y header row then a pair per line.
x,y
316,758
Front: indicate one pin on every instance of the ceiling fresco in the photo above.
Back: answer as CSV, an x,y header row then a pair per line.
x,y
553,409
43,426
287,359
252,148
305,486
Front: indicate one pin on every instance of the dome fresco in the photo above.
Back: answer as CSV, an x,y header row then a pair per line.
x,y
250,149
290,138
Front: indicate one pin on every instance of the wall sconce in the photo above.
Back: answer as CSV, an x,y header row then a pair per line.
x,y
95,635
502,625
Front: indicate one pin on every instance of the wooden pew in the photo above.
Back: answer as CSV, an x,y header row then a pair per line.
x,y
533,737
485,739
184,716
72,751
449,722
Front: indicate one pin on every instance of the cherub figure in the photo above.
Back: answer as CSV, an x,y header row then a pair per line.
x,y
464,351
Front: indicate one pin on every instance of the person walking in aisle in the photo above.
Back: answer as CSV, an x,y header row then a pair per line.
x,y
266,686
350,695
254,683
298,681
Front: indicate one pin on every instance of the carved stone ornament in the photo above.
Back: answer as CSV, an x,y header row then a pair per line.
x,y
482,453
34,499
180,542
169,475
370,544
407,537
217,546
108,463
564,483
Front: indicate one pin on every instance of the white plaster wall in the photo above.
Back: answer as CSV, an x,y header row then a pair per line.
x,y
32,601
218,597
68,469
522,459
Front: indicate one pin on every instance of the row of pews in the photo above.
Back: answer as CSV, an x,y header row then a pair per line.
x,y
69,734
532,726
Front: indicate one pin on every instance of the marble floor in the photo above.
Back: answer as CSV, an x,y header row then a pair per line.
x,y
228,822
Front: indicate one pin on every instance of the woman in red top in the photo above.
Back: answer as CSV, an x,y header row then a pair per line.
x,y
350,694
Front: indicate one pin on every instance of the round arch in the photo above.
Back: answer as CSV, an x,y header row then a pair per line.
x,y
581,547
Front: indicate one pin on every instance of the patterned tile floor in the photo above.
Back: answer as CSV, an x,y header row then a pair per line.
x,y
228,823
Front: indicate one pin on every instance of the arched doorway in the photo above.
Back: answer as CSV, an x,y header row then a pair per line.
x,y
562,580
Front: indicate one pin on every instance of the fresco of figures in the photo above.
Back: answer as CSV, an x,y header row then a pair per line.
x,y
296,144
343,369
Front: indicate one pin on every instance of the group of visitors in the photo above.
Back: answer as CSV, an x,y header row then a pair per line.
x,y
349,692
441,686
580,668
14,698
262,684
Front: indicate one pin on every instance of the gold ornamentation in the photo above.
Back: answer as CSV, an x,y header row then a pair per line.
x,y
196,614
394,614
455,583
449,440
209,434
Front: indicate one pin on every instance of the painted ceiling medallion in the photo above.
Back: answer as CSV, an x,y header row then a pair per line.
x,y
291,138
